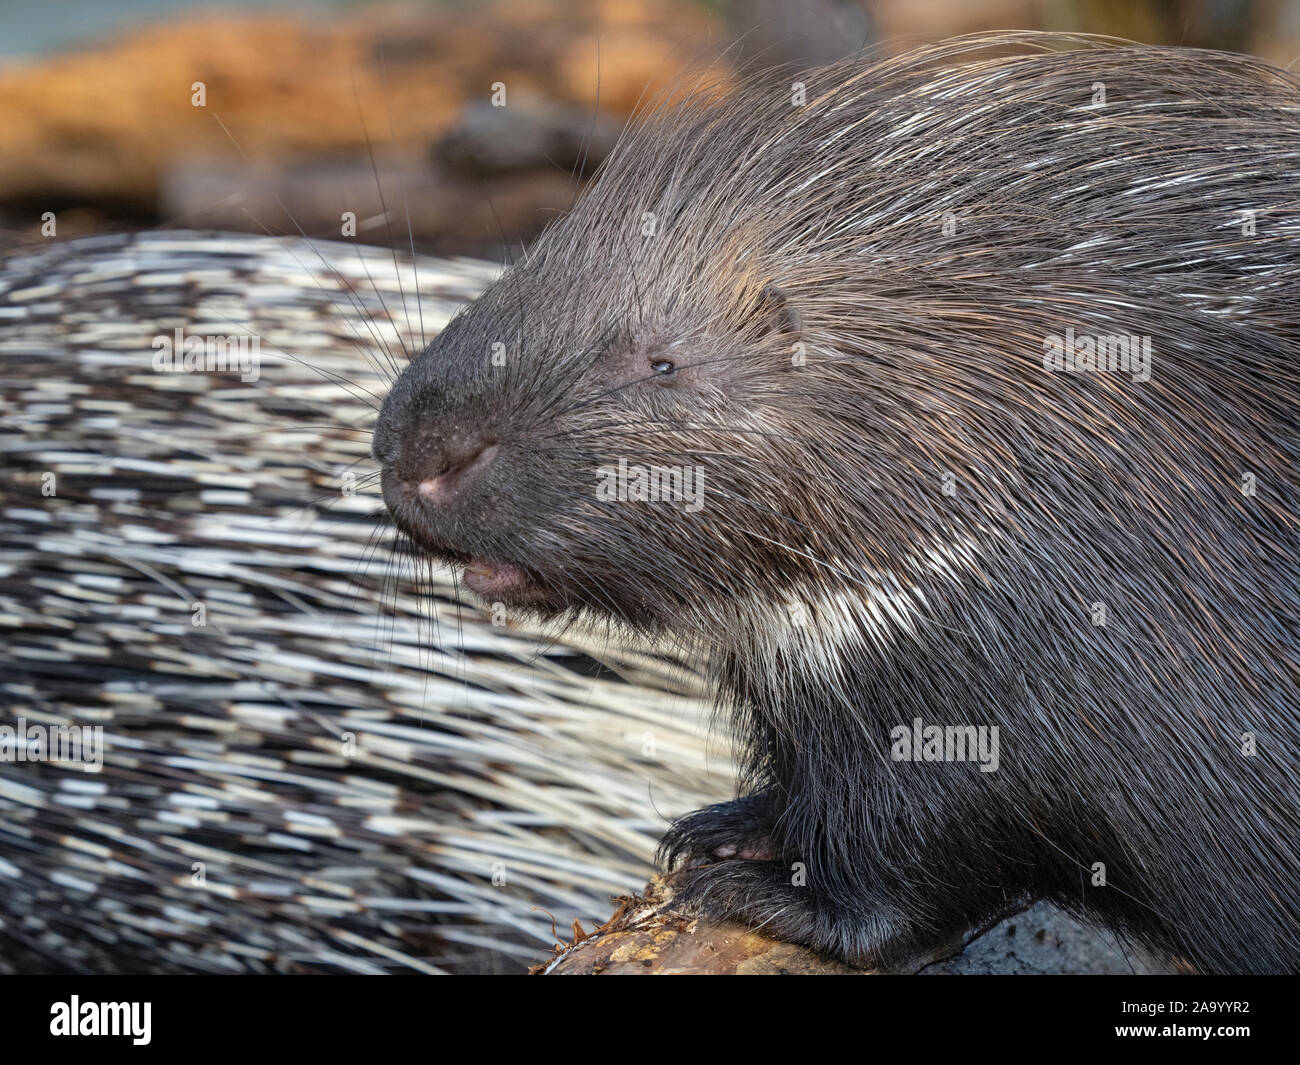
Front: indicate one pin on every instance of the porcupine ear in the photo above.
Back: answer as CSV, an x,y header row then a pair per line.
x,y
779,315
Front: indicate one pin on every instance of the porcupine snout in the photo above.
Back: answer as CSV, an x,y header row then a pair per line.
x,y
433,460
444,469
461,477
437,454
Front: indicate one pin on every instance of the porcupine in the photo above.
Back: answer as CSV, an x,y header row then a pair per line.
x,y
844,303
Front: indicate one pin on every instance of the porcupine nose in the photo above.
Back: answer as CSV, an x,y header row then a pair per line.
x,y
453,470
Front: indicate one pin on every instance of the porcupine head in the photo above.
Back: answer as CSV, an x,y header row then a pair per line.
x,y
767,391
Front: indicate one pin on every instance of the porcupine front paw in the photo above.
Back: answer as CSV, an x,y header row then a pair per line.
x,y
742,828
730,864
774,898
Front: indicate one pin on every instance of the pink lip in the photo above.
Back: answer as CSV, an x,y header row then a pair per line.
x,y
490,579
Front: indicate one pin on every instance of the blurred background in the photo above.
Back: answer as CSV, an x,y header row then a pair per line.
x,y
318,107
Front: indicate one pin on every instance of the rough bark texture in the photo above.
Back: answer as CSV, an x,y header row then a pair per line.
x,y
646,937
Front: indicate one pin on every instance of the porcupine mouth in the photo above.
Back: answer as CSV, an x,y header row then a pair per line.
x,y
494,579
497,580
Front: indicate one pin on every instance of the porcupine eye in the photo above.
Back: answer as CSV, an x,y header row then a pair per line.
x,y
634,366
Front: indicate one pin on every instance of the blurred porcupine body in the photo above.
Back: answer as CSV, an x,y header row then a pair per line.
x,y
345,768
842,307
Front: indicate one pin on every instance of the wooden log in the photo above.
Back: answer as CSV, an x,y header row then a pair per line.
x,y
646,936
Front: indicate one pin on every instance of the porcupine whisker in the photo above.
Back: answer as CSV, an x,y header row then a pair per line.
x,y
336,378
406,207
322,503
368,551
654,424
431,617
344,382
300,427
580,163
366,351
315,505
388,584
569,446
388,581
369,547
383,209
521,332
533,385
422,569
393,369
356,303
430,622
